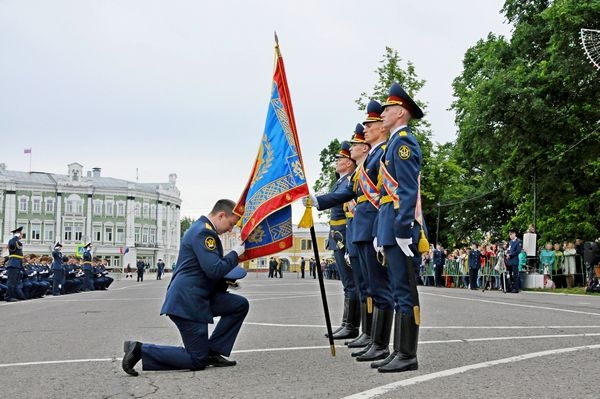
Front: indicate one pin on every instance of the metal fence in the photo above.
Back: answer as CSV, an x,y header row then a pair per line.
x,y
456,274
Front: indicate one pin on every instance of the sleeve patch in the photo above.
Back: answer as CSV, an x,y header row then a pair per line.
x,y
404,152
210,243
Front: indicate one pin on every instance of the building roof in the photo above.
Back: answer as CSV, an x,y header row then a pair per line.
x,y
63,180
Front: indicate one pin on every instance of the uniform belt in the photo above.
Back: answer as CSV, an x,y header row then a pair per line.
x,y
349,215
339,222
386,198
16,256
362,198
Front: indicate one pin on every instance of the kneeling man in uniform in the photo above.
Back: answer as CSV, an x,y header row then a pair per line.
x,y
197,293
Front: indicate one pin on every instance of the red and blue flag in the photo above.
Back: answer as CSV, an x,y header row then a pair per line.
x,y
277,177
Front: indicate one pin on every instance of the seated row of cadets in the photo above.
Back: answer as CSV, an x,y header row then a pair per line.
x,y
37,276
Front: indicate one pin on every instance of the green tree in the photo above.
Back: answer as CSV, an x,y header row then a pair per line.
x,y
185,224
527,109
327,176
390,70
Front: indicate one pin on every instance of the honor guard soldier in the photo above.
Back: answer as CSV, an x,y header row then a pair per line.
x,y
14,266
58,272
380,288
197,293
400,225
88,271
337,241
358,152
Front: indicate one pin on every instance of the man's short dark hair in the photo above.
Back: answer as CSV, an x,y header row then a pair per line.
x,y
223,205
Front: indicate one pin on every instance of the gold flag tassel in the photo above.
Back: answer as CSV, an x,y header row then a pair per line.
x,y
423,245
307,218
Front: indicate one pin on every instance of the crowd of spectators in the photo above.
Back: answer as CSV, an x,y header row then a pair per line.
x,y
563,264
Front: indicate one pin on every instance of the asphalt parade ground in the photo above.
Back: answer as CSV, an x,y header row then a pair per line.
x,y
473,344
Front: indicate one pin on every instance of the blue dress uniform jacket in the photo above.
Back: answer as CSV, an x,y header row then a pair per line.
x,y
87,260
200,267
365,212
15,253
403,160
337,231
338,238
57,260
514,249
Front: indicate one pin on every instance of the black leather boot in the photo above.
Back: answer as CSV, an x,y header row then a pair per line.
x,y
406,359
364,339
382,328
344,318
397,335
350,330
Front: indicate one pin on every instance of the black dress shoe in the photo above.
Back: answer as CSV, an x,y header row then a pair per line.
x,y
217,360
133,354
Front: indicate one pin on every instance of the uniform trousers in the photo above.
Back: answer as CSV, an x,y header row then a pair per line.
x,y
398,269
196,344
359,278
57,281
345,273
13,291
378,282
88,280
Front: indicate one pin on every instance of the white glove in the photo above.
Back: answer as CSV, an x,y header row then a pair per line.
x,y
239,249
376,247
404,243
347,258
313,200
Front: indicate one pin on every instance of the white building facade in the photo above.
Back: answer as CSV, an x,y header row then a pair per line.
x,y
123,220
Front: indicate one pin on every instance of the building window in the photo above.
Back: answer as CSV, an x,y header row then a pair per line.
x,y
153,212
306,245
74,205
152,235
97,233
78,229
50,205
23,204
36,205
138,233
36,231
145,235
146,211
49,232
138,210
68,233
120,235
108,234
120,209
97,208
109,208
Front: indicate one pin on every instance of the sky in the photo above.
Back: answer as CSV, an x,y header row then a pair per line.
x,y
145,88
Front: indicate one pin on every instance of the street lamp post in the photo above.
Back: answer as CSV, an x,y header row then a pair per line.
x,y
437,228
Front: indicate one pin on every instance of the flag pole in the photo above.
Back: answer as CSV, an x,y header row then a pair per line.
x,y
319,272
307,219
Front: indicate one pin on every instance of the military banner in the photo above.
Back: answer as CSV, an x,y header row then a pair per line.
x,y
277,178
